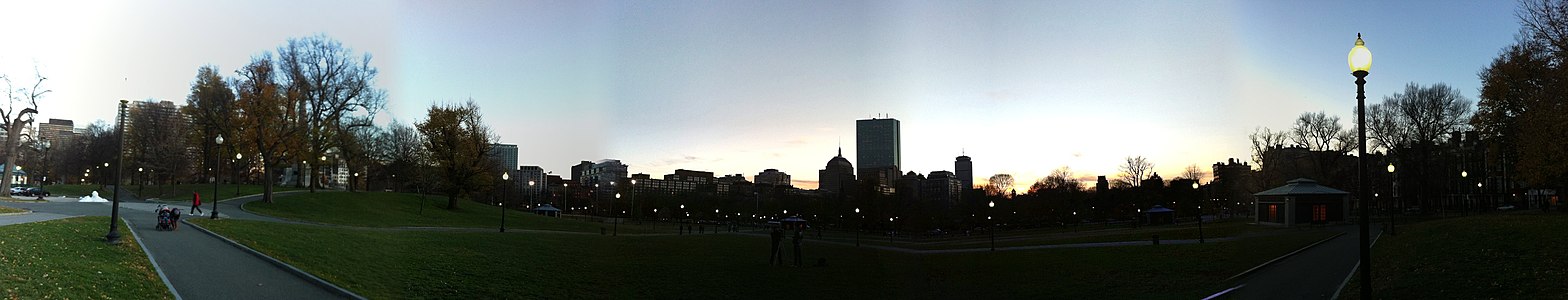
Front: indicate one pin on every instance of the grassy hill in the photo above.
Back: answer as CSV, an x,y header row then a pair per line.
x,y
386,209
400,264
67,259
1497,256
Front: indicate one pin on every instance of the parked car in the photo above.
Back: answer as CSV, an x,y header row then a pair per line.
x,y
35,192
18,190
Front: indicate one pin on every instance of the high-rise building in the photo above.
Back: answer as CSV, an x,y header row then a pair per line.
x,y
57,131
877,150
838,177
524,174
772,177
505,156
966,171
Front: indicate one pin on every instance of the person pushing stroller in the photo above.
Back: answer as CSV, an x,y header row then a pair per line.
x,y
168,218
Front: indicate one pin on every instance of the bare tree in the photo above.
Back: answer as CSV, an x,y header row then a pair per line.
x,y
1135,170
999,184
1264,139
335,89
1192,172
1060,179
1419,115
403,151
1318,131
155,141
14,118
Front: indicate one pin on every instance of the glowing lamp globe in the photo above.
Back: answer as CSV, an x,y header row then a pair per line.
x,y
1360,58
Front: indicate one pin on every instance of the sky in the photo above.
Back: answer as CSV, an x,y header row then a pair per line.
x,y
735,87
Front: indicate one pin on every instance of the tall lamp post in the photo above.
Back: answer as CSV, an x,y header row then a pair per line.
x,y
617,228
506,181
1360,60
634,202
1200,212
1393,199
862,224
218,169
988,214
114,212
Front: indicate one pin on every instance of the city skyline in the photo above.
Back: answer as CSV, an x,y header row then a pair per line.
x,y
736,88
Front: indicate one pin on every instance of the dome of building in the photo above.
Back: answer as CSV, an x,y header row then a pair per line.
x,y
839,162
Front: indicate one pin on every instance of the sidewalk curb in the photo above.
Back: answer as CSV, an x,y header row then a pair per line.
x,y
154,261
1283,257
29,211
301,273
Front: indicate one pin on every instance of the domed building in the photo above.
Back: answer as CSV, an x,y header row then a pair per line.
x,y
838,176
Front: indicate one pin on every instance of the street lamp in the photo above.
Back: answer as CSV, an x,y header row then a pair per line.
x,y
634,200
506,179
862,224
1200,213
1393,199
219,148
113,237
1360,60
531,201
237,157
617,219
991,204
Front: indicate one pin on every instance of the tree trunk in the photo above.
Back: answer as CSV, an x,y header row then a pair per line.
x,y
451,201
14,134
266,189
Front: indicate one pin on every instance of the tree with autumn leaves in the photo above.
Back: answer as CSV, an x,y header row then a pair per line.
x,y
459,144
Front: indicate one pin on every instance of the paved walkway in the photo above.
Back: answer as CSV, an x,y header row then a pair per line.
x,y
200,266
1315,273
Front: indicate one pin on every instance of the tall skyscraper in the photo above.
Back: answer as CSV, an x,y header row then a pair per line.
x,y
966,171
877,150
505,156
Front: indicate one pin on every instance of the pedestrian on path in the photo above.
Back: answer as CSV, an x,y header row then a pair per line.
x,y
196,204
777,256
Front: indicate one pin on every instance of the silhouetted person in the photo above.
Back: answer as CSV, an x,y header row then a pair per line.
x,y
777,256
797,248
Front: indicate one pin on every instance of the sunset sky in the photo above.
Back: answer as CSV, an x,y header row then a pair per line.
x,y
734,87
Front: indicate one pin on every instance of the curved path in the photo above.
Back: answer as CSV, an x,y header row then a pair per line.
x,y
198,265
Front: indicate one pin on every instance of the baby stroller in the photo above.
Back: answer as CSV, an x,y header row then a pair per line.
x,y
167,217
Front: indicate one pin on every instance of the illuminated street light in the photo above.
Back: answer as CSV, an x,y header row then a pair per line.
x,y
1360,60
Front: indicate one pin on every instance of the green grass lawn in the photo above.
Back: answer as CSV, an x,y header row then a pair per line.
x,y
472,265
76,190
3,209
385,209
182,192
1498,256
67,259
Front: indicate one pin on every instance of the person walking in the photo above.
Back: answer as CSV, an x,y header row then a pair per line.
x,y
196,204
797,248
777,256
